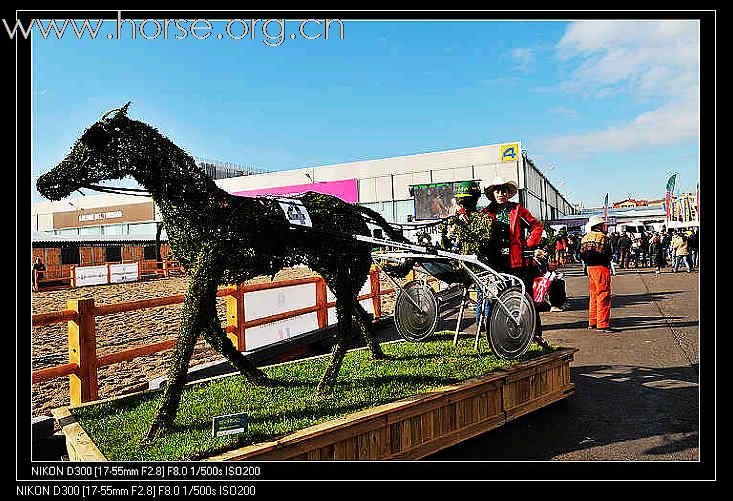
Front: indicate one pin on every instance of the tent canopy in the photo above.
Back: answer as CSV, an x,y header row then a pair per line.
x,y
683,224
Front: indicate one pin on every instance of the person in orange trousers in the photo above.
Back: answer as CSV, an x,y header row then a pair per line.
x,y
595,250
599,306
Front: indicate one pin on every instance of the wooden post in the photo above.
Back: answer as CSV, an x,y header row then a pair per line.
x,y
322,303
109,274
83,351
139,269
235,316
73,276
165,267
376,297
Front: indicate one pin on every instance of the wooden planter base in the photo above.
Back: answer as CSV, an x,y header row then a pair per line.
x,y
410,428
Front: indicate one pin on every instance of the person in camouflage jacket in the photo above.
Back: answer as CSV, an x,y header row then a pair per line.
x,y
595,249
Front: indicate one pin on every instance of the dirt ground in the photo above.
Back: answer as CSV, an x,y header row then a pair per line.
x,y
123,331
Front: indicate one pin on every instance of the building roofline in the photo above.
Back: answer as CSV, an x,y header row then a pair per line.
x,y
531,162
381,159
40,239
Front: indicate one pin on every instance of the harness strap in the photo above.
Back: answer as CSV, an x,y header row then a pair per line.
x,y
135,192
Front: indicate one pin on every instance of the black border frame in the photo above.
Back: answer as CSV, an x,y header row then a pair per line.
x,y
299,477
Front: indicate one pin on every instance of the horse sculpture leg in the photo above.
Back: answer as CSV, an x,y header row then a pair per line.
x,y
218,340
196,308
367,332
344,311
192,323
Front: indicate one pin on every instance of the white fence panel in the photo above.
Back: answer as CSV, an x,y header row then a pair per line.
x,y
125,272
263,335
90,275
366,303
265,303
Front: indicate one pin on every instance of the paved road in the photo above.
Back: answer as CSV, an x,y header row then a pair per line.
x,y
636,391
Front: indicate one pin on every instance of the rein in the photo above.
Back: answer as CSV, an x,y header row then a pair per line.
x,y
136,192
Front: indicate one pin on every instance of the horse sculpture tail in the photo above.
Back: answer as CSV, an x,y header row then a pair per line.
x,y
399,270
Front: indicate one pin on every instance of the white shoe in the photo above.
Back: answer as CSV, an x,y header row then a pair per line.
x,y
555,308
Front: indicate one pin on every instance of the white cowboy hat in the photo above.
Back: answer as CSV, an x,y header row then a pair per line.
x,y
593,221
500,181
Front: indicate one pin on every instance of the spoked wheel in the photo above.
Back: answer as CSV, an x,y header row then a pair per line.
x,y
507,338
417,321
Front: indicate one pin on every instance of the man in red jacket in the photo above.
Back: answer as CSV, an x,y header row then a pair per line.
x,y
509,220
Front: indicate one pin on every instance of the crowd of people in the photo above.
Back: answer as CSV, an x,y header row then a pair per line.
x,y
652,249
657,250
600,252
564,247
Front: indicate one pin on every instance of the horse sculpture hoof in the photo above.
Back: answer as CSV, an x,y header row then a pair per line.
x,y
543,343
264,380
256,377
156,431
324,390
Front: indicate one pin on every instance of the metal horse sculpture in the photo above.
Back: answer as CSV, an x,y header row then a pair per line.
x,y
223,239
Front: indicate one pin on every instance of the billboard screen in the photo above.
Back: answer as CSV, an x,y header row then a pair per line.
x,y
434,200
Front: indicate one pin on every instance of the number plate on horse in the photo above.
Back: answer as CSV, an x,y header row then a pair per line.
x,y
295,212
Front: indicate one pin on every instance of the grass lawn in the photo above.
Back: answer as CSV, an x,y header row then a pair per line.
x,y
118,428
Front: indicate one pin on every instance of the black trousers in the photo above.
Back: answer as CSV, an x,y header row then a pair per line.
x,y
624,258
526,273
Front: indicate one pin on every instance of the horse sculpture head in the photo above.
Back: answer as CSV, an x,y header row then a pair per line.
x,y
102,152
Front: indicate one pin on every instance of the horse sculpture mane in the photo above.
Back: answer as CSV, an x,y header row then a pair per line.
x,y
222,238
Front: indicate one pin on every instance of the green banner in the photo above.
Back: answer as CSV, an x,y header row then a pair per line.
x,y
671,182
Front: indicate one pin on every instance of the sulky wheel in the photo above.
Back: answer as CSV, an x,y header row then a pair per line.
x,y
507,339
413,323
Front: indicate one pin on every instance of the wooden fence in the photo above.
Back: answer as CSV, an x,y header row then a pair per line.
x,y
81,315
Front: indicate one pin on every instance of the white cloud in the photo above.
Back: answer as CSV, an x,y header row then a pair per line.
x,y
643,56
566,112
500,81
644,59
676,121
522,57
593,36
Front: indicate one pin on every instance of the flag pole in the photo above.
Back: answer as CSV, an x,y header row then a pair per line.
x,y
669,197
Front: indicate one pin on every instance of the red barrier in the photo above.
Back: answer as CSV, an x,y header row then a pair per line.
x,y
81,313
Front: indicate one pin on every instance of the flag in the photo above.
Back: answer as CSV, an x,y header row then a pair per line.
x,y
686,210
668,196
605,208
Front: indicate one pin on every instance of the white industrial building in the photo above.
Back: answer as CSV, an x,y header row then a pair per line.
x,y
382,184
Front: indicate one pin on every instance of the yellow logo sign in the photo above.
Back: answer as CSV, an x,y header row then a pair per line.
x,y
509,152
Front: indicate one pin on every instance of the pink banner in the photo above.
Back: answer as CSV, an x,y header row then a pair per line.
x,y
345,189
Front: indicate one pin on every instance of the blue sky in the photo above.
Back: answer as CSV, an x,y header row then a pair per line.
x,y
600,106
